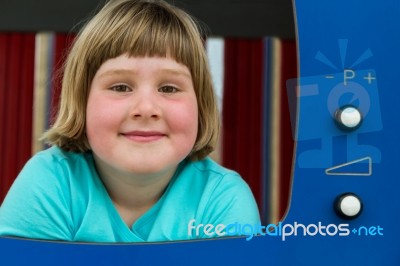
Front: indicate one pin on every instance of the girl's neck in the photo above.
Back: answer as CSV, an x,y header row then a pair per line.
x,y
131,194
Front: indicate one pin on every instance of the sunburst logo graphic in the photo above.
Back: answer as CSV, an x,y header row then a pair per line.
x,y
343,51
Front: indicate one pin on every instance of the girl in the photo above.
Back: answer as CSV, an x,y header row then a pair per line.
x,y
137,119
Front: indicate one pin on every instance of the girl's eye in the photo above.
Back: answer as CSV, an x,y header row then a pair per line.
x,y
168,89
121,88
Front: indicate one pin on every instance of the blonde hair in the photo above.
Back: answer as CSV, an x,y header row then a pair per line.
x,y
138,28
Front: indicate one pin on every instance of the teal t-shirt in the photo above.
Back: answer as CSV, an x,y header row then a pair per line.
x,y
59,196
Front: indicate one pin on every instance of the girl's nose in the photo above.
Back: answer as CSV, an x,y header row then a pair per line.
x,y
145,105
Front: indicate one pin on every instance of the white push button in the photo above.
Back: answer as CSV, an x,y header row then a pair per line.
x,y
348,206
348,118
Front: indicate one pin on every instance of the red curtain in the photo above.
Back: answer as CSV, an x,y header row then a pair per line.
x,y
17,54
61,47
242,110
16,100
245,113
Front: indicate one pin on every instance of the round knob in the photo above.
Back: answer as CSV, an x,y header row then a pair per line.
x,y
348,118
348,206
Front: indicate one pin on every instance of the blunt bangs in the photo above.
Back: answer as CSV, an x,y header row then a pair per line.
x,y
146,29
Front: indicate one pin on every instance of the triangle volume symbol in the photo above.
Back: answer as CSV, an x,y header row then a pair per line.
x,y
360,167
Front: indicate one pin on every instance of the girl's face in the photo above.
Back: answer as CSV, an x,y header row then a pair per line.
x,y
142,114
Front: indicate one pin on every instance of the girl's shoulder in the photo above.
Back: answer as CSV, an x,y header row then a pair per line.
x,y
211,171
209,177
211,166
57,166
55,154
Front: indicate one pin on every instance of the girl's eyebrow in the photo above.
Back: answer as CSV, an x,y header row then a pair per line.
x,y
177,72
116,72
121,71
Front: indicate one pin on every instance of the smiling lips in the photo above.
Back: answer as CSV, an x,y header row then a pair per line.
x,y
143,136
